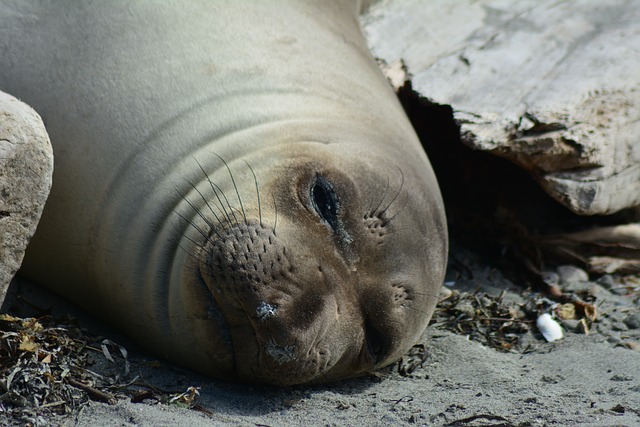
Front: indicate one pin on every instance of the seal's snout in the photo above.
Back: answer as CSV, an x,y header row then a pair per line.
x,y
240,259
280,309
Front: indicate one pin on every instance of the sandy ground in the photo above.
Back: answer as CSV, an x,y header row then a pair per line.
x,y
581,380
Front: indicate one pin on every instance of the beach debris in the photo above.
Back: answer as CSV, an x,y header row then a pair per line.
x,y
37,360
188,398
549,328
105,344
583,327
485,419
566,311
585,310
46,368
413,360
484,318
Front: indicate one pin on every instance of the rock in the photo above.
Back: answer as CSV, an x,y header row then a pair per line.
x,y
606,281
26,167
546,85
633,321
572,274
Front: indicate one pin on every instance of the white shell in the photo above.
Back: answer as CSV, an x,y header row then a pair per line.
x,y
549,328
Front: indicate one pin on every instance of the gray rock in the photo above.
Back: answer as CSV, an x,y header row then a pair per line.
x,y
606,281
26,167
633,321
572,274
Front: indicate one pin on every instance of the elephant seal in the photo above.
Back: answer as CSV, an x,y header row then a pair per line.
x,y
236,185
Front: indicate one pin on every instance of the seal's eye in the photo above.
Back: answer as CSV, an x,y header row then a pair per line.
x,y
325,201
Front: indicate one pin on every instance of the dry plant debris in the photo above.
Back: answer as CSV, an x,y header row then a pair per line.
x,y
38,359
45,370
485,318
501,325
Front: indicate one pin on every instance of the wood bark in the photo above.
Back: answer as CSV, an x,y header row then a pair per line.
x,y
553,86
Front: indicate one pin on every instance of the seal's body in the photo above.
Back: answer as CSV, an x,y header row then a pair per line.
x,y
235,184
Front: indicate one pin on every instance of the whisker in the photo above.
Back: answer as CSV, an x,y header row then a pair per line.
x,y
233,181
197,256
202,232
275,208
397,193
426,294
215,192
404,205
192,224
192,254
255,180
231,208
384,196
408,307
200,214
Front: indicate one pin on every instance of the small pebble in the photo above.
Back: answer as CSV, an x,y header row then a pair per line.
x,y
570,324
445,293
633,321
620,290
633,345
606,281
551,278
619,326
390,419
572,274
614,340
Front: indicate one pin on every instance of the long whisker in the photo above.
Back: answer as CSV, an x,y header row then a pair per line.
x,y
408,307
275,208
397,193
233,181
427,294
404,204
192,254
200,214
204,234
384,196
216,189
255,180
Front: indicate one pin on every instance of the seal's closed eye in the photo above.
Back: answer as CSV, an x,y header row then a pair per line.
x,y
325,201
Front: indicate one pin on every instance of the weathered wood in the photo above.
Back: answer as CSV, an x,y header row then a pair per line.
x,y
554,86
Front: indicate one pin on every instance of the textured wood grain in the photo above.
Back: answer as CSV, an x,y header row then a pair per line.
x,y
553,86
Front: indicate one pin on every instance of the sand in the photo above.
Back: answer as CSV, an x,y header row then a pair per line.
x,y
586,380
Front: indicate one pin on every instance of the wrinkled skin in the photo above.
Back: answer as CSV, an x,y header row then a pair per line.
x,y
235,184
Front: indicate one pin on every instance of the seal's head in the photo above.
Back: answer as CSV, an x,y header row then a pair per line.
x,y
337,276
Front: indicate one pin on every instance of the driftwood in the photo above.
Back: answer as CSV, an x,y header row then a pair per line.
x,y
614,249
553,86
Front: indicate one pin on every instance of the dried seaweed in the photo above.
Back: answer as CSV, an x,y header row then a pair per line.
x,y
414,359
45,370
37,360
485,318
